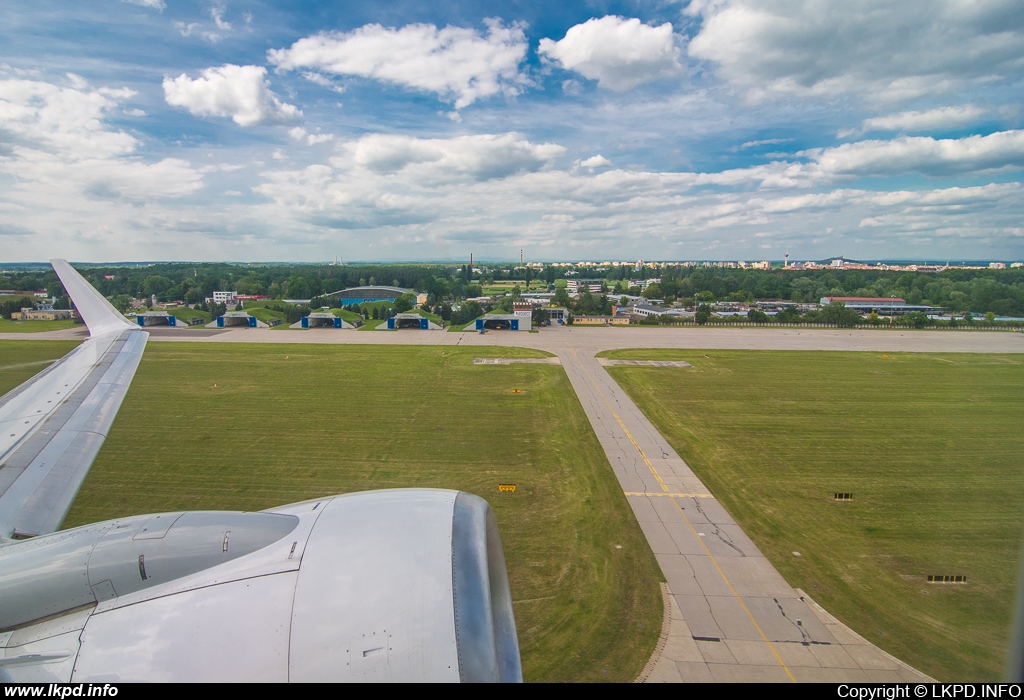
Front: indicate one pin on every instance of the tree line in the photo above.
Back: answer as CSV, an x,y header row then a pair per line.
x,y
975,291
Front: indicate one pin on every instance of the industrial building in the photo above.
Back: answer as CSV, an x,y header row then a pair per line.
x,y
883,306
236,319
46,313
321,320
504,322
600,320
156,318
411,321
362,295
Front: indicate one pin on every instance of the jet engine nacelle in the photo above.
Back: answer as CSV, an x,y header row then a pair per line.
x,y
402,585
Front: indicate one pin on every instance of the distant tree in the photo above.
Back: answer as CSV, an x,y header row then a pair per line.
x,y
467,312
653,291
788,315
917,319
757,316
404,303
837,314
294,313
703,314
16,305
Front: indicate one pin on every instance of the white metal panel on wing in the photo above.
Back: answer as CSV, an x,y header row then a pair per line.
x,y
374,598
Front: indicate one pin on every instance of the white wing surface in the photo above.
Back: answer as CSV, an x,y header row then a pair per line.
x,y
52,427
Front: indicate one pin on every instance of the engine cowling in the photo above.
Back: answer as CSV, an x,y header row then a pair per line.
x,y
401,585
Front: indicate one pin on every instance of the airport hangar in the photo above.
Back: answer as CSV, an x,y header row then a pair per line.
x,y
362,295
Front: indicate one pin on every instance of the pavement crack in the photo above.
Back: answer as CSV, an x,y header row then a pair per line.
x,y
806,638
725,539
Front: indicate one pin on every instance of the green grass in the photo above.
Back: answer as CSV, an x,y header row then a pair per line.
x,y
248,426
267,315
930,445
348,316
20,359
9,326
184,313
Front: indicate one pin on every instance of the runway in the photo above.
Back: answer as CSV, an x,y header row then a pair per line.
x,y
595,340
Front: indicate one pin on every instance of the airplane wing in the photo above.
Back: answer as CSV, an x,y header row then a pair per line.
x,y
52,427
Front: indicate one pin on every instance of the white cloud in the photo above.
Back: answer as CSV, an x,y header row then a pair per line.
x,y
939,118
762,142
300,134
322,81
553,212
62,120
217,14
618,53
197,29
59,152
154,4
1003,150
459,64
876,48
597,161
430,161
239,92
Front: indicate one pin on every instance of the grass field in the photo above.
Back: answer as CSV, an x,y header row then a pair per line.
x,y
20,359
246,427
930,446
9,326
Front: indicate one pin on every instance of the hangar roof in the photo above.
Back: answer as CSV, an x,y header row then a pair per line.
x,y
372,292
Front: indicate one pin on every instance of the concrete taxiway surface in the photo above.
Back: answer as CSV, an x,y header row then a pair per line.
x,y
732,615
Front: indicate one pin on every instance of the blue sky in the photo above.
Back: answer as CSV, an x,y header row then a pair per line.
x,y
709,129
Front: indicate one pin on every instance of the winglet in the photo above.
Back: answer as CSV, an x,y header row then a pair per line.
x,y
98,313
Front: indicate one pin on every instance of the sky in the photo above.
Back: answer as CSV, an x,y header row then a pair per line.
x,y
402,131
